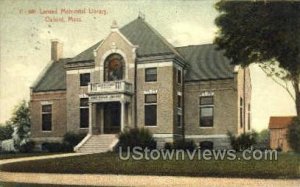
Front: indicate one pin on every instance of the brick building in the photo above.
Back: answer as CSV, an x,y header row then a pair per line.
x,y
136,78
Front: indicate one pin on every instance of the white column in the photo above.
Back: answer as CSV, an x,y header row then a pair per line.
x,y
90,117
122,115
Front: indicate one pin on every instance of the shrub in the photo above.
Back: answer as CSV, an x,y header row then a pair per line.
x,y
168,146
293,135
55,147
244,141
263,140
136,137
181,145
6,131
184,145
28,147
72,139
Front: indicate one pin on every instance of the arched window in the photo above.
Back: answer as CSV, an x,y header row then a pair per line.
x,y
114,67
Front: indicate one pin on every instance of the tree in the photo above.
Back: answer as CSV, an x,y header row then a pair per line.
x,y
263,32
293,135
21,120
6,131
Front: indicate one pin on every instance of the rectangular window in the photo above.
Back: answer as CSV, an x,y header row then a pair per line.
x,y
46,117
84,79
84,112
206,104
179,76
150,110
179,118
151,74
241,113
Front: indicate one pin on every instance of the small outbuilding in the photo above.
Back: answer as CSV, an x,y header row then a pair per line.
x,y
278,127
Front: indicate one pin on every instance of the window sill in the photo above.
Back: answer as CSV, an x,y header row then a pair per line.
x,y
150,126
206,127
83,128
150,81
47,131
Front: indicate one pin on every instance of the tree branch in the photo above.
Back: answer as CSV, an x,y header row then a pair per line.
x,y
280,84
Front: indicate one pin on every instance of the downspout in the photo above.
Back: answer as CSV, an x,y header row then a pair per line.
x,y
244,90
183,105
135,93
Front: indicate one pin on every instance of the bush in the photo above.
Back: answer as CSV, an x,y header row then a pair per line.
x,y
181,145
27,147
55,147
263,140
244,141
73,139
6,131
184,145
136,137
168,146
70,140
293,135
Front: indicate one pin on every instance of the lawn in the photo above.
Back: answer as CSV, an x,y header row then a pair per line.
x,y
21,155
287,166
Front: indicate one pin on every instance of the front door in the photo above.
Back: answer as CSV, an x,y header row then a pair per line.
x,y
112,118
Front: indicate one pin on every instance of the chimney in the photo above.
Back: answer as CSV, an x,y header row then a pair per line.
x,y
56,50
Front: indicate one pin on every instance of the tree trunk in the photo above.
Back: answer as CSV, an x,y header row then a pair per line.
x,y
296,82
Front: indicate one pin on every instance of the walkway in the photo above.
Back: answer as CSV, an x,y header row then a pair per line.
x,y
127,180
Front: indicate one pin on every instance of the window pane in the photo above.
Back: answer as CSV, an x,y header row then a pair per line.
x,y
46,122
47,108
150,115
84,117
150,74
206,121
150,98
84,102
84,79
206,117
179,77
206,100
179,101
178,120
151,71
206,112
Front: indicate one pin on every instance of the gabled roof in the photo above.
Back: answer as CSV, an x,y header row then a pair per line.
x,y
280,122
140,33
54,78
149,41
206,63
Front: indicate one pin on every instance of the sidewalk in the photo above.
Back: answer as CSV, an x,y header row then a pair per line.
x,y
128,180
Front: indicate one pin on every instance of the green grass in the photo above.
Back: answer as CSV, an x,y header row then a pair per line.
x,y
287,166
21,155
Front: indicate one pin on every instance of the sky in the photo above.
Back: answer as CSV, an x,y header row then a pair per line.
x,y
25,43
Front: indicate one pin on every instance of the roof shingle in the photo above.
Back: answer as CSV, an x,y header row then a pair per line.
x,y
206,63
280,122
54,78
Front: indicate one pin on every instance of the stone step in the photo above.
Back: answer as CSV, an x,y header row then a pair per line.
x,y
98,143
